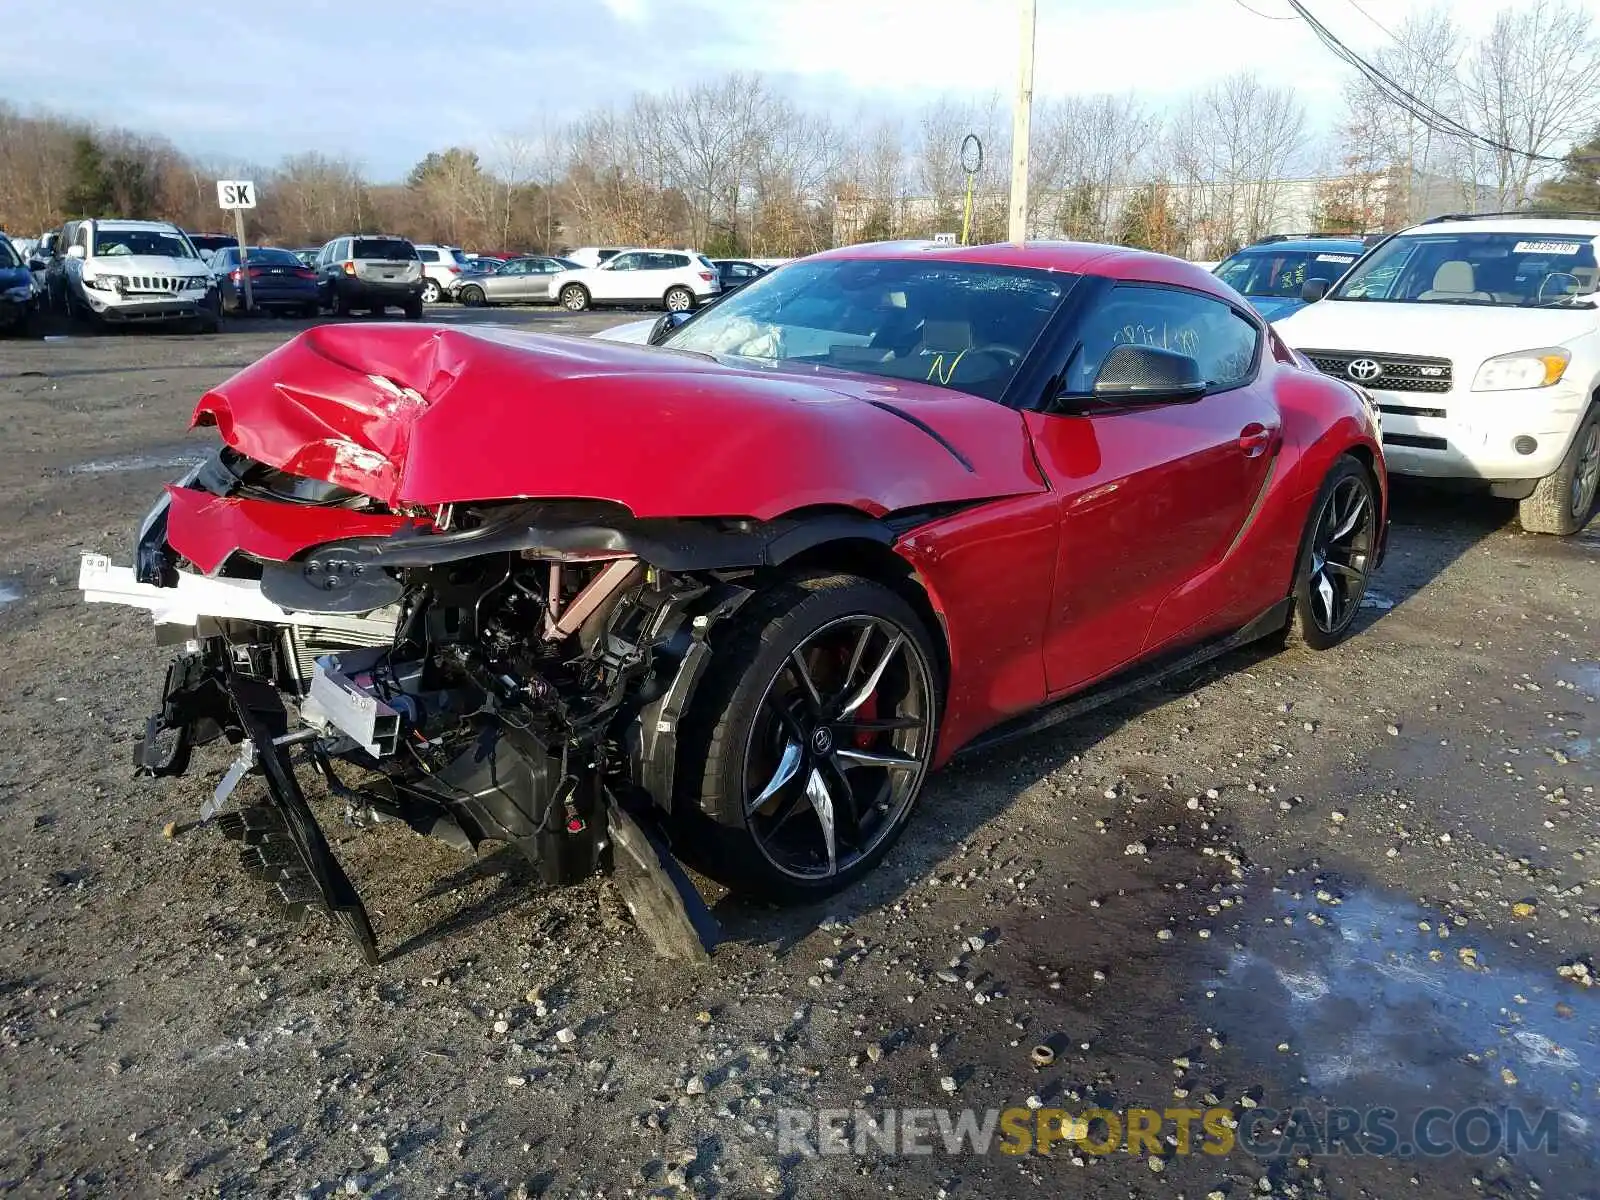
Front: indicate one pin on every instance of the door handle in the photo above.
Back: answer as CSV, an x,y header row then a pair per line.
x,y
1254,439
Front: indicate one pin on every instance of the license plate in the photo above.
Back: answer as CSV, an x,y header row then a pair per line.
x,y
275,271
390,275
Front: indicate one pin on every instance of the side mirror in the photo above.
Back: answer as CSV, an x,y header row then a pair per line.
x,y
1133,375
37,264
76,251
1313,290
665,324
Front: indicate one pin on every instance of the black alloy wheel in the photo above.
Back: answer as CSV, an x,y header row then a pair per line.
x,y
1336,561
825,723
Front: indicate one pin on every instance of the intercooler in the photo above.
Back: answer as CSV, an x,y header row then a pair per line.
x,y
304,644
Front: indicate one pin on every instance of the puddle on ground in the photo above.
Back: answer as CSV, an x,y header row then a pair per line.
x,y
10,593
1583,676
1372,1019
136,462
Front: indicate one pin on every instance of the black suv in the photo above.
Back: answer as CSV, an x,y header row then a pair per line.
x,y
370,271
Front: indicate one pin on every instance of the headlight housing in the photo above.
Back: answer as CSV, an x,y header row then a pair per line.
x,y
105,283
1522,370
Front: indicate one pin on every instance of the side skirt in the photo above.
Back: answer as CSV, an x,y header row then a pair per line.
x,y
1134,679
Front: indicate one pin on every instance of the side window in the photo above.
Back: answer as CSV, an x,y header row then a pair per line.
x,y
673,262
430,256
81,237
628,262
518,267
1209,331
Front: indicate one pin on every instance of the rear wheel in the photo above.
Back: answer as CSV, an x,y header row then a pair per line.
x,y
1336,557
1563,502
574,297
430,291
679,299
413,310
472,296
341,304
820,728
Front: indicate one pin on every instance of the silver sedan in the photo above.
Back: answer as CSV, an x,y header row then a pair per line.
x,y
520,281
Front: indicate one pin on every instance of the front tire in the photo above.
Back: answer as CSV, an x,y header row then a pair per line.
x,y
1336,557
472,296
413,310
430,291
818,728
1563,502
678,299
574,297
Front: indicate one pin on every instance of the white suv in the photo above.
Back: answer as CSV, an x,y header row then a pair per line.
x,y
1479,337
122,271
441,269
675,279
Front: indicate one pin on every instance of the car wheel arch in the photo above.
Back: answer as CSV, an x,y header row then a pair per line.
x,y
876,560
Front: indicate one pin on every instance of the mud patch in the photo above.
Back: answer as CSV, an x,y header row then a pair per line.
x,y
163,460
1384,1003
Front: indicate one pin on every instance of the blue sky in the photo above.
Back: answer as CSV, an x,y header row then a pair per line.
x,y
384,83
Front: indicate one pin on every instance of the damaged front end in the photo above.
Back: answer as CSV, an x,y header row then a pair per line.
x,y
509,672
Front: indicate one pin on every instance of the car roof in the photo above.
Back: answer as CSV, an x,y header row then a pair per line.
x,y
115,223
1353,245
1080,258
1531,226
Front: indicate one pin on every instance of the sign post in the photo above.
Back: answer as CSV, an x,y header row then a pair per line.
x,y
238,195
971,163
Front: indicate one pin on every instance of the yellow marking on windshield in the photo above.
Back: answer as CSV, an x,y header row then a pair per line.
x,y
938,372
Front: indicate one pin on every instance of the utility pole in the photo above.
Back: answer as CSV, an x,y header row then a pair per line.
x,y
1019,127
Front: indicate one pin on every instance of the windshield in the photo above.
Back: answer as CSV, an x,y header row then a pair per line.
x,y
1515,270
957,325
8,254
1283,272
109,243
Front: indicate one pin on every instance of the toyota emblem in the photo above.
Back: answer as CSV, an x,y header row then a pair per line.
x,y
1364,370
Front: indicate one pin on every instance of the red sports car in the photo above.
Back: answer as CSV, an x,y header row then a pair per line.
x,y
741,591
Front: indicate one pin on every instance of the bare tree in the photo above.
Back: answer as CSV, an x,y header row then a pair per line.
x,y
1530,86
1233,144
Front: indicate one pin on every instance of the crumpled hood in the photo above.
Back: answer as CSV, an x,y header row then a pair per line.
x,y
422,416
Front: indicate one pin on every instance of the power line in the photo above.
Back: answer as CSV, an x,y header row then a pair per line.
x,y
1427,114
1381,26
1255,12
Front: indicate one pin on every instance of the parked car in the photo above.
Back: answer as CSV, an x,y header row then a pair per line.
x,y
675,279
1479,337
279,281
207,244
734,273
441,265
131,271
1272,273
889,503
43,252
19,297
520,281
592,256
308,255
370,271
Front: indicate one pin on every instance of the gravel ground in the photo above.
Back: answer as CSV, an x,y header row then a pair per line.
x,y
1367,877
